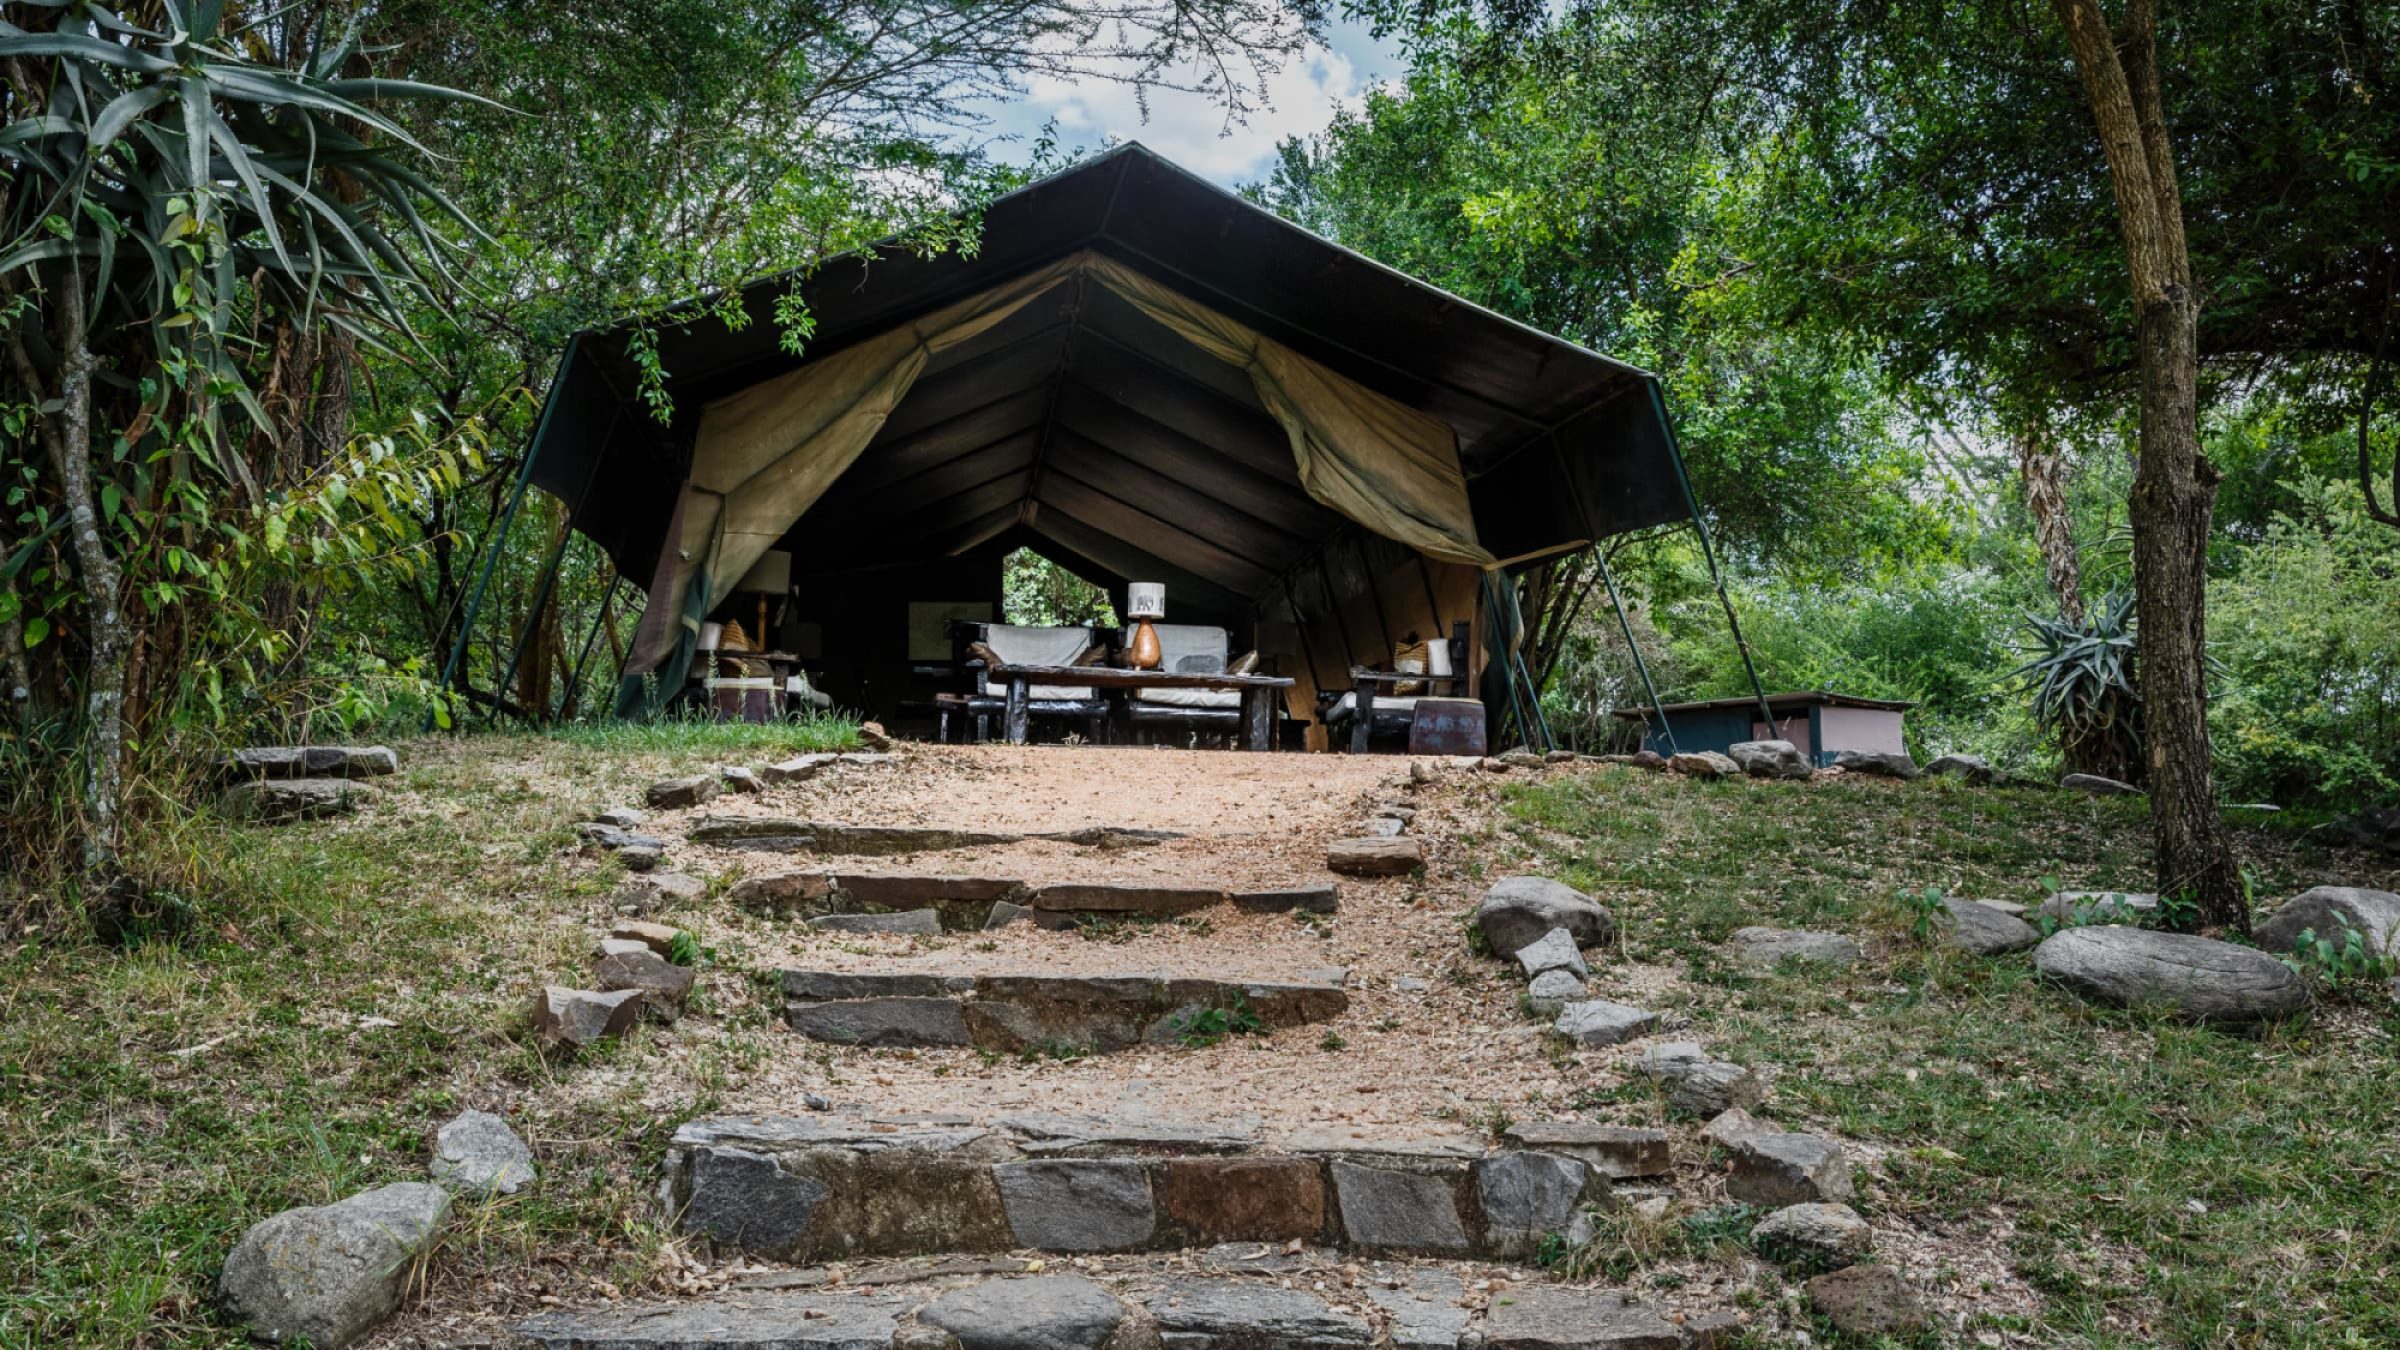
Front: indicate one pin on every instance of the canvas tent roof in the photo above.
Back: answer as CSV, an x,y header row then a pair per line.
x,y
1084,420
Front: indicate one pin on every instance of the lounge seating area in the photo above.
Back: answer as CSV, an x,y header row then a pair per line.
x,y
1193,690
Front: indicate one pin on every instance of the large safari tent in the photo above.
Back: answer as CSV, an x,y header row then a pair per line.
x,y
1141,377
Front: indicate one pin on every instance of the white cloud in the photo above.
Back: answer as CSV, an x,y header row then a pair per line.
x,y
1191,129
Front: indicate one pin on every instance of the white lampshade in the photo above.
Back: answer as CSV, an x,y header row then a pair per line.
x,y
1145,600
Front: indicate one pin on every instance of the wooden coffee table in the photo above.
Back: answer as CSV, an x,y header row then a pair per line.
x,y
1259,692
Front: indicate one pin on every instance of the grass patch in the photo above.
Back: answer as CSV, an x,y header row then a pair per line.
x,y
2159,1184
814,734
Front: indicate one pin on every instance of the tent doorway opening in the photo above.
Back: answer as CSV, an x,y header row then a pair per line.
x,y
1038,593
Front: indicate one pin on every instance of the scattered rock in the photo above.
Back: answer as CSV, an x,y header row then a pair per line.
x,y
658,937
1788,1169
613,946
612,837
2375,827
739,779
274,801
1419,773
1773,946
657,890
1489,764
1560,757
663,985
1698,1085
1523,758
1006,912
2197,978
1545,1317
1384,827
1554,950
2098,786
574,1018
1879,763
923,922
1716,1329
2326,910
622,817
1597,1022
1046,1312
641,857
2080,908
1972,768
1614,1151
676,793
1552,990
330,1274
874,737
476,1154
1231,1314
1730,1128
1972,926
1375,857
1769,759
1704,764
1518,911
1649,759
1811,1233
1867,1301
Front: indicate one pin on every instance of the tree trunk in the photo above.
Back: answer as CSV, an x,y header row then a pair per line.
x,y
109,638
2174,488
2043,470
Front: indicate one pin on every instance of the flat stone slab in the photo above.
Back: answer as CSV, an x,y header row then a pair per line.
x,y
784,834
1424,1311
1540,1317
1778,1169
1078,1204
2195,978
1698,1084
1136,898
1598,1022
762,1320
1615,1151
309,761
274,801
1554,950
1371,857
1229,1314
1325,898
1017,1012
1398,1210
1757,946
921,922
805,767
1045,1312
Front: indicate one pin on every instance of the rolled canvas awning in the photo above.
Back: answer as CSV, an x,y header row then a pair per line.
x,y
764,455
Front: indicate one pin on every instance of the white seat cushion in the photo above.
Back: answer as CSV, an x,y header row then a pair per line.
x,y
1020,646
1347,706
1192,698
1083,693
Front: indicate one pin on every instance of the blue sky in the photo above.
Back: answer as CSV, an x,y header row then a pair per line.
x,y
1189,129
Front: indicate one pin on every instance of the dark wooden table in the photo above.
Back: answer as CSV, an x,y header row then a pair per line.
x,y
1259,692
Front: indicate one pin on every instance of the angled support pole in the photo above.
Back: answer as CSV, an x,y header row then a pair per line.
x,y
583,659
499,536
1625,626
1708,551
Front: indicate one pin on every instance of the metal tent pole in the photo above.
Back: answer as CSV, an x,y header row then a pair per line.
x,y
533,621
1625,625
1708,551
583,660
1508,668
508,517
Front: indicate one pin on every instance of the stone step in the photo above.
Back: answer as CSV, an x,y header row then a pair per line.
x,y
1038,1011
781,834
838,1185
964,903
1410,1307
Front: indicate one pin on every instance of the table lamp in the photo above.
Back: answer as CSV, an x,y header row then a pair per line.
x,y
1144,601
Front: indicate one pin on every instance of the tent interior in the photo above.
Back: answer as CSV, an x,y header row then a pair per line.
x,y
1137,375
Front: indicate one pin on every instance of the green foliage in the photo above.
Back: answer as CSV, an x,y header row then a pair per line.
x,y
2084,690
1924,910
684,950
1040,593
1204,1027
2340,963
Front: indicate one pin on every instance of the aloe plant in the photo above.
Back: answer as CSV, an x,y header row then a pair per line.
x,y
2085,688
168,194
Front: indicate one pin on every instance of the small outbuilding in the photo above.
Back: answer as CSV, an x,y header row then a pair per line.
x,y
1820,723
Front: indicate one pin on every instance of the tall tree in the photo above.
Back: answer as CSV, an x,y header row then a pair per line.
x,y
2175,487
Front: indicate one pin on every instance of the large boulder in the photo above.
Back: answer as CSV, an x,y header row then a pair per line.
x,y
1517,911
276,800
331,1273
2196,978
2327,910
1704,764
1973,768
1879,763
1769,759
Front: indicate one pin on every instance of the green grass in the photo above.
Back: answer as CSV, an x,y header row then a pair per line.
x,y
810,735
2158,1184
131,1170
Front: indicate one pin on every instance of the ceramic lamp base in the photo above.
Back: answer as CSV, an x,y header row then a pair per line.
x,y
1145,654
